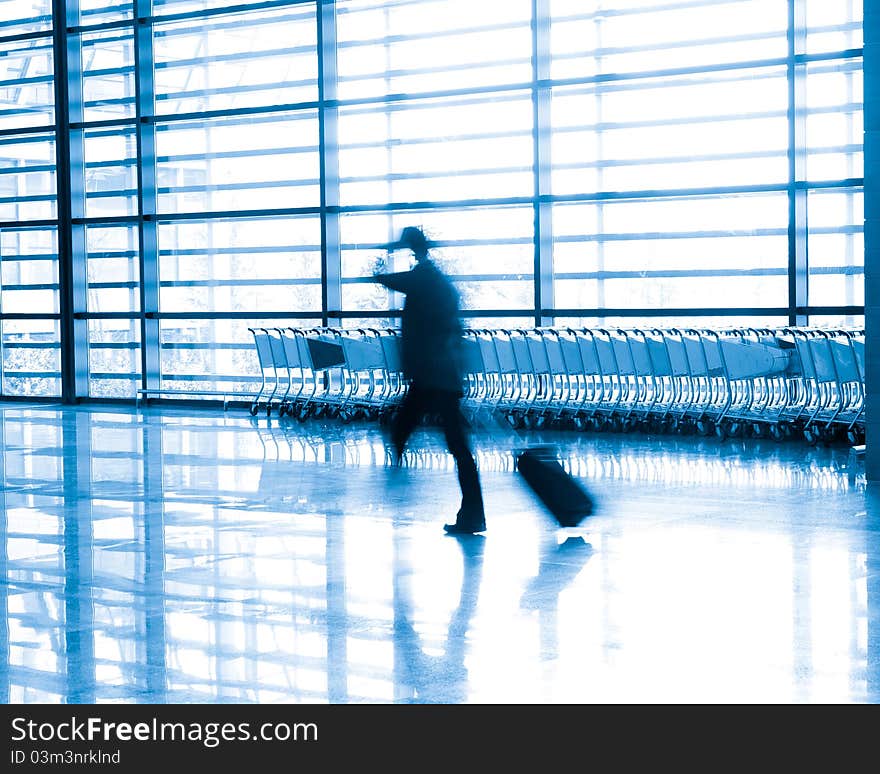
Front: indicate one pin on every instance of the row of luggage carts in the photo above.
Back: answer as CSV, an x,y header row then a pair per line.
x,y
731,383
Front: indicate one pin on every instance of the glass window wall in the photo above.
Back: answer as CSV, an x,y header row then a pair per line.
x,y
238,164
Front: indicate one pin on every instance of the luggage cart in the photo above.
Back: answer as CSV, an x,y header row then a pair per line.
x,y
839,386
650,370
595,395
321,364
757,364
523,373
577,377
394,384
605,416
560,383
474,375
364,359
855,431
297,361
510,387
542,375
820,384
268,370
273,366
663,400
726,382
636,365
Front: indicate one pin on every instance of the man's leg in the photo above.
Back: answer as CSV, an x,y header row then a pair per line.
x,y
412,407
472,514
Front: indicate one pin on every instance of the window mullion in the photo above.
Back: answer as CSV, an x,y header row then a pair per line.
x,y
541,105
798,267
70,191
146,194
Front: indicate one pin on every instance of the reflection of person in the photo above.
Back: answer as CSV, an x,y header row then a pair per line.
x,y
440,679
431,354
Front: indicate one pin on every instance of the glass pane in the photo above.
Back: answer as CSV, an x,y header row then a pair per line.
x,y
113,270
506,323
613,36
266,264
108,74
697,322
98,11
239,60
720,129
31,358
833,26
701,252
29,283
27,95
111,174
714,291
836,247
21,16
835,126
214,354
165,7
407,48
435,150
27,177
855,321
488,253
253,163
114,358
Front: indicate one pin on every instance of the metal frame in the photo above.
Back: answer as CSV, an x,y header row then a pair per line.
x,y
797,163
147,196
71,204
72,220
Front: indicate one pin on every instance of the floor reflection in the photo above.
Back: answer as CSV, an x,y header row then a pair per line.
x,y
437,678
165,556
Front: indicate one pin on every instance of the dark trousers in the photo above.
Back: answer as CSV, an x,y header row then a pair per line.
x,y
443,404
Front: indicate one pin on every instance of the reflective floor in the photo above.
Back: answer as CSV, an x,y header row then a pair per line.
x,y
174,555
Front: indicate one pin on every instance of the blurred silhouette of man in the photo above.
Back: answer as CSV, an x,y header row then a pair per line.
x,y
431,354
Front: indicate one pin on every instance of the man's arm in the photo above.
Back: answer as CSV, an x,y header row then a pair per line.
x,y
401,281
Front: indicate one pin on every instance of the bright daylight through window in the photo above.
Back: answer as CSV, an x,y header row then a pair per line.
x,y
175,171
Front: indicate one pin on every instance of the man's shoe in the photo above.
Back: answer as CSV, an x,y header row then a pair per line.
x,y
466,525
464,529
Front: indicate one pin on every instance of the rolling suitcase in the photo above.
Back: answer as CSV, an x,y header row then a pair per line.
x,y
564,497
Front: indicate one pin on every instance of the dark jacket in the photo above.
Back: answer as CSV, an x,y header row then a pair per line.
x,y
431,330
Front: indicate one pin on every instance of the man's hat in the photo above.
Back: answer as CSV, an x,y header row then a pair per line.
x,y
411,237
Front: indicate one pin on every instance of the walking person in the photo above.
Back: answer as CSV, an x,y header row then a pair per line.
x,y
431,354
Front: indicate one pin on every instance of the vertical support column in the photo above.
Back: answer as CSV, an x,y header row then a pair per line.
x,y
798,274
70,182
850,258
146,196
872,578
5,650
872,237
328,148
541,107
331,301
